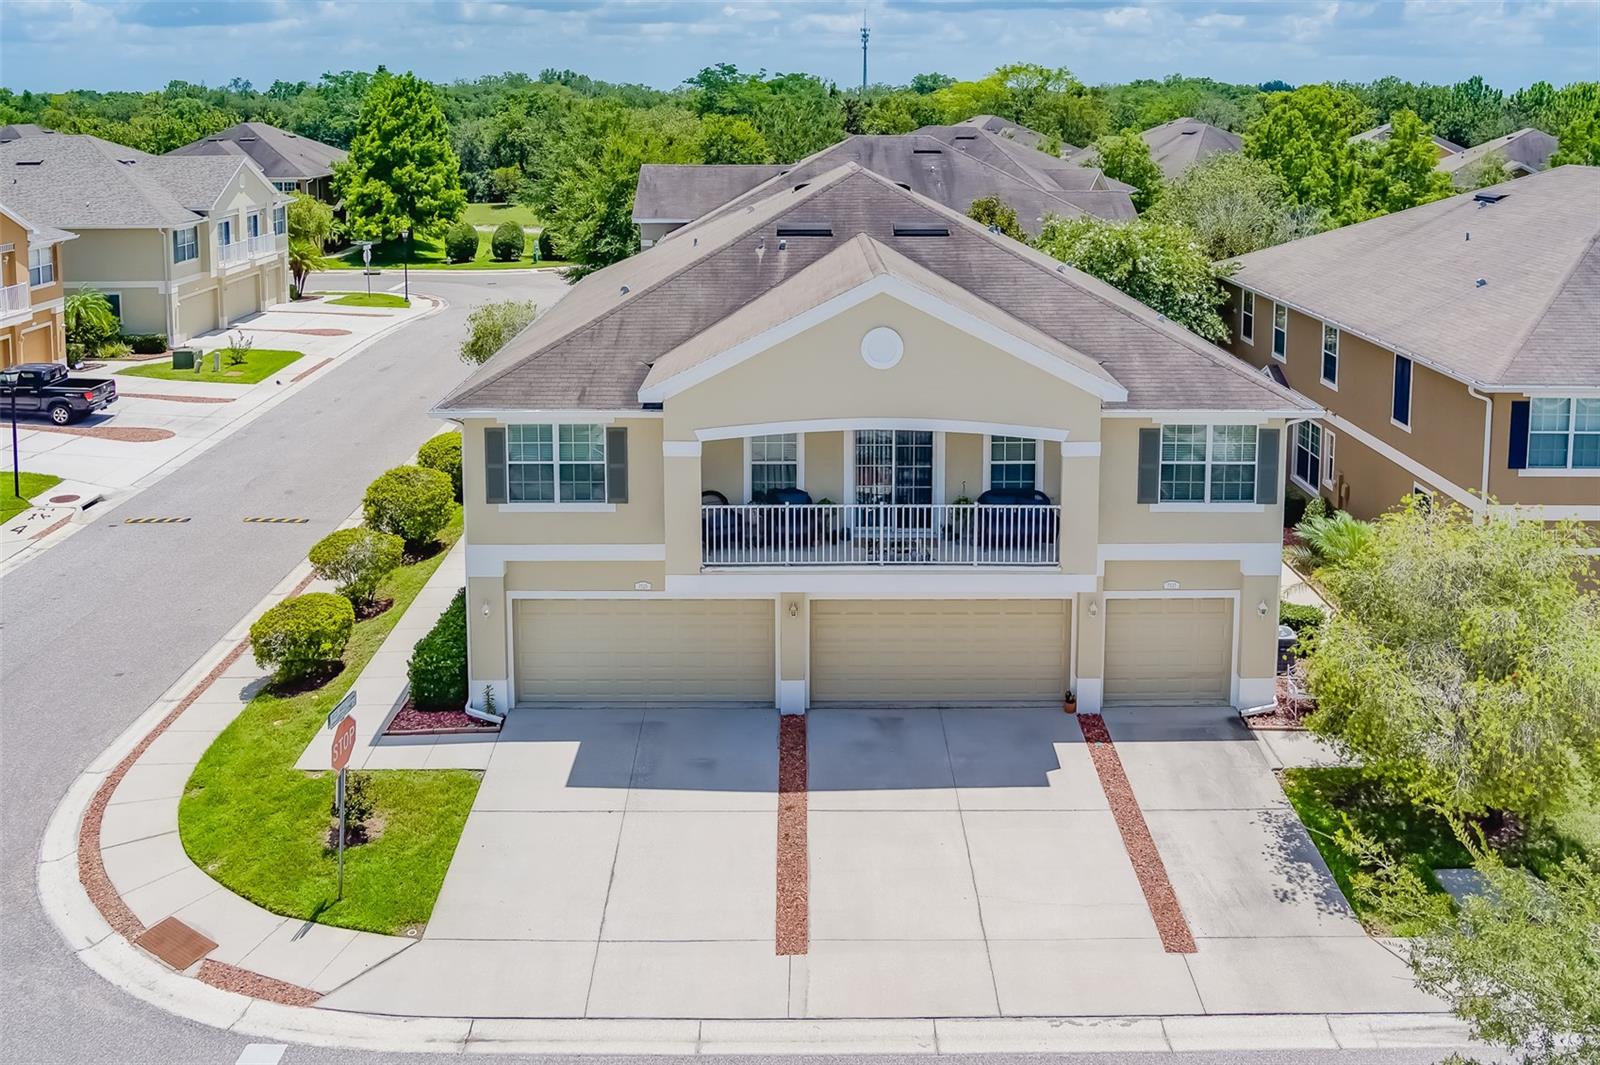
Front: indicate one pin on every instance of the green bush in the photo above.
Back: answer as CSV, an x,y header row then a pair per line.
x,y
356,560
1301,617
443,453
411,502
461,242
508,242
146,343
544,247
438,666
302,633
114,349
358,802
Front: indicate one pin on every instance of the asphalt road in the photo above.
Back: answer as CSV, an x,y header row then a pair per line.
x,y
95,629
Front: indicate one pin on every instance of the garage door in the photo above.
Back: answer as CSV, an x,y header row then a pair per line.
x,y
1168,650
197,314
240,298
623,650
944,651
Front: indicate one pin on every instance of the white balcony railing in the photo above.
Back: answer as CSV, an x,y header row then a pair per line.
x,y
264,246
880,534
14,299
232,254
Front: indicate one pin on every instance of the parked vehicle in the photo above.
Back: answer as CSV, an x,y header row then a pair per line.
x,y
48,388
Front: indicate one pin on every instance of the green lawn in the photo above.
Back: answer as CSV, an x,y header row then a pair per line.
x,y
12,504
429,255
373,299
259,826
492,214
259,363
1417,838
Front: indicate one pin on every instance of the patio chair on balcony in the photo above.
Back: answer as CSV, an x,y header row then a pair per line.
x,y
1006,519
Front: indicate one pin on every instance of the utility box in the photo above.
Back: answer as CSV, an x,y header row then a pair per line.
x,y
185,358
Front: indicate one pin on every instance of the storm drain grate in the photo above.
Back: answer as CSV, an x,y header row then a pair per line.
x,y
276,521
153,521
176,943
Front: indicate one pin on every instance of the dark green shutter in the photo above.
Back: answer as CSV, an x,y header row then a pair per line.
x,y
1267,475
616,465
1149,465
494,465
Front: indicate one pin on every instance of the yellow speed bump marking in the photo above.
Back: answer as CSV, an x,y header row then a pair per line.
x,y
276,521
153,521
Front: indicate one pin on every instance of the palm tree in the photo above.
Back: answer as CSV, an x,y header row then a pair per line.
x,y
311,227
89,322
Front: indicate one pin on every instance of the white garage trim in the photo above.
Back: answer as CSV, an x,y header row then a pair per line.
x,y
911,582
1199,593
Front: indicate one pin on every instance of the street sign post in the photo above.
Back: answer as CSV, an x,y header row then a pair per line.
x,y
366,263
344,744
342,711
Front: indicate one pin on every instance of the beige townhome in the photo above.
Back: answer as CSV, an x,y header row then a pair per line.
x,y
846,446
291,162
180,245
30,290
1455,346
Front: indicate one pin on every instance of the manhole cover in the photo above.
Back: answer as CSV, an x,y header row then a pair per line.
x,y
176,943
64,499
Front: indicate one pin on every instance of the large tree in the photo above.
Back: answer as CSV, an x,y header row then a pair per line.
x,y
1159,264
1400,171
1126,157
1234,204
1304,136
402,172
732,139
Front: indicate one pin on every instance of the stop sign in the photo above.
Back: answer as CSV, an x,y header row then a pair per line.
x,y
344,742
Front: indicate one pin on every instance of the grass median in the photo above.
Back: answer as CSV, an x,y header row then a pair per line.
x,y
369,299
13,503
260,827
258,365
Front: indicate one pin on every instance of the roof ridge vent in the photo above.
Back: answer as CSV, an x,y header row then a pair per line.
x,y
806,229
922,230
1484,199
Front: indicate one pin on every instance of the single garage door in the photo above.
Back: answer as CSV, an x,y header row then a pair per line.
x,y
241,298
939,651
622,650
1168,650
197,314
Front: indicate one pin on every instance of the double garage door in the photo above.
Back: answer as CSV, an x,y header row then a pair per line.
x,y
1168,650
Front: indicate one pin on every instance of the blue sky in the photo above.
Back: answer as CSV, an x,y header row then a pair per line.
x,y
119,44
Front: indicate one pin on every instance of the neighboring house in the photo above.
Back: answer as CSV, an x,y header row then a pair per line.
x,y
1004,127
876,360
30,290
20,130
180,245
291,162
1181,143
1455,346
1017,157
1379,134
926,164
1527,151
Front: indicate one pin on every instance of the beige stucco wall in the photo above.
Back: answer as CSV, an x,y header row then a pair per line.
x,y
101,256
1508,486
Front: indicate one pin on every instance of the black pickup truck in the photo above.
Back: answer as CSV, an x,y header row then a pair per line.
x,y
47,388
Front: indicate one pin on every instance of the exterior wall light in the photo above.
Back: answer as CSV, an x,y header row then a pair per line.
x,y
1261,609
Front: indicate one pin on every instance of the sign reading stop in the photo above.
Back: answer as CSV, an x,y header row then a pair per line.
x,y
344,742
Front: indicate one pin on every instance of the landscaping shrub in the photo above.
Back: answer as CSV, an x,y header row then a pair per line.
x,y
302,633
358,804
443,453
438,666
146,343
356,560
508,242
544,247
114,349
461,242
1301,617
411,502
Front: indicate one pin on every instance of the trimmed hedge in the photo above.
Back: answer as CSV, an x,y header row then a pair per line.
x,y
461,242
1301,617
443,453
146,343
356,560
545,248
302,633
438,666
411,502
508,242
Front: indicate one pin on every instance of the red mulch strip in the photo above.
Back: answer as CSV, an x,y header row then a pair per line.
x,y
1176,938
128,435
409,721
794,877
244,982
47,530
314,369
91,866
302,332
175,399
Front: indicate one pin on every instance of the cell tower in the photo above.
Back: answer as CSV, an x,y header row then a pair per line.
x,y
864,34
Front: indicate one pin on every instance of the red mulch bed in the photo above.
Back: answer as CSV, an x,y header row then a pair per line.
x,y
302,332
127,435
794,907
1289,712
1176,938
308,373
244,982
409,721
174,399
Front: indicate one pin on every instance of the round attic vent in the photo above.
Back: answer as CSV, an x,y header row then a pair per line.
x,y
881,348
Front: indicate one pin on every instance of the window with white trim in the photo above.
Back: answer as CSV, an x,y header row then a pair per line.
x,y
41,266
285,186
1013,462
252,224
774,463
1208,464
1328,441
1424,496
224,231
1307,454
1280,332
1247,316
185,244
280,219
555,463
1564,434
1330,355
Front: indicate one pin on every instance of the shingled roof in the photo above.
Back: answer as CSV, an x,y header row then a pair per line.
x,y
281,155
595,347
1526,151
1500,288
682,192
1379,134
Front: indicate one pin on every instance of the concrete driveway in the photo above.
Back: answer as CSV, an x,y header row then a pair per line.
x,y
621,863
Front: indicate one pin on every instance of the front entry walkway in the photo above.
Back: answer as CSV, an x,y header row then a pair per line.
x,y
963,862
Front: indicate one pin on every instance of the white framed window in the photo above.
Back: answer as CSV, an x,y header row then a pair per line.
x,y
1307,455
1208,464
1564,434
41,266
280,219
284,186
1013,462
185,244
1280,332
555,464
224,231
1330,356
1247,316
1424,496
774,463
1328,441
252,224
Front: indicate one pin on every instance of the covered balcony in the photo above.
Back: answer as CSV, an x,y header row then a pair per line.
x,y
15,302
